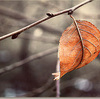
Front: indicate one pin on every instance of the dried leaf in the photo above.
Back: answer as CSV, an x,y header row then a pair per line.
x,y
79,45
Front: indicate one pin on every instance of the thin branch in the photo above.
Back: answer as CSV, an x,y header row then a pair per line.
x,y
39,90
49,16
81,4
58,81
28,59
46,85
63,85
71,82
11,13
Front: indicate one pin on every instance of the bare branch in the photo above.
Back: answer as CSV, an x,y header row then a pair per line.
x,y
81,4
39,90
46,85
63,85
57,78
49,15
68,83
25,19
28,59
58,81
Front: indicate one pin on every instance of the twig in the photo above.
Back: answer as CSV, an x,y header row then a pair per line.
x,y
25,19
63,85
28,59
39,90
45,86
58,81
81,4
68,83
49,15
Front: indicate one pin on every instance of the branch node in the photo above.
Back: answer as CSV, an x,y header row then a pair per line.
x,y
70,12
15,36
49,14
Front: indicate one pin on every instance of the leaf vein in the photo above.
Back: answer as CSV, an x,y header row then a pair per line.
x,y
88,50
90,33
91,43
87,26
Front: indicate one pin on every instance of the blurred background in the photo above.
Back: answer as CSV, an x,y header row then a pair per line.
x,y
34,79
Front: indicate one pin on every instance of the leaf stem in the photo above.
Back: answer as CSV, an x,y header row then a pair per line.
x,y
81,39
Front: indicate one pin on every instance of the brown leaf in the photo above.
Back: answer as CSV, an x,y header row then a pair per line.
x,y
79,45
